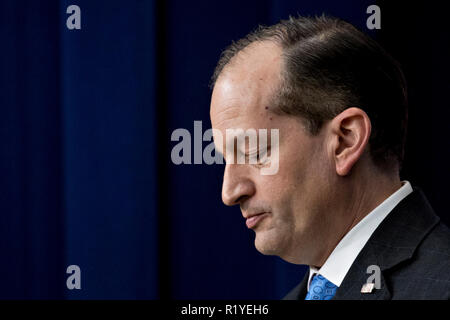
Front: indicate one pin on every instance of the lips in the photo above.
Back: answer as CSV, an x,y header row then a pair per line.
x,y
252,221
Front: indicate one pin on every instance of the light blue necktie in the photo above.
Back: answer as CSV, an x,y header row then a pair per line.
x,y
321,289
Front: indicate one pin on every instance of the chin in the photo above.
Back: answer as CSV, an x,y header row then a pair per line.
x,y
268,242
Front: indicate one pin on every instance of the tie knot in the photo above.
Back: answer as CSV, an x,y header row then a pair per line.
x,y
321,288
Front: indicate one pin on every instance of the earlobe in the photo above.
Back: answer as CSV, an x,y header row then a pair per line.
x,y
352,130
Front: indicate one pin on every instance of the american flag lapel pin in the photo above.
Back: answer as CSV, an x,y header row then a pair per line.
x,y
368,287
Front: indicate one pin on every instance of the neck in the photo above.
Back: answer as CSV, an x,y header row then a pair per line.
x,y
371,195
360,195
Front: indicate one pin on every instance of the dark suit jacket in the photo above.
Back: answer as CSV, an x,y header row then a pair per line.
x,y
412,249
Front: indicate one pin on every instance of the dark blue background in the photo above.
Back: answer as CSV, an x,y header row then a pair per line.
x,y
85,123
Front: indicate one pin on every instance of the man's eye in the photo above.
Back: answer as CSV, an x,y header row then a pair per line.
x,y
257,158
262,155
251,157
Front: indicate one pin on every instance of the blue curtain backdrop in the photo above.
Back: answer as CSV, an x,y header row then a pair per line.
x,y
86,118
78,150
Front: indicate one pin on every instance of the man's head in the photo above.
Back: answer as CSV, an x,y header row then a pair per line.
x,y
339,102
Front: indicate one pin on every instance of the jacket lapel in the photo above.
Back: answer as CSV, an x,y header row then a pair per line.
x,y
394,241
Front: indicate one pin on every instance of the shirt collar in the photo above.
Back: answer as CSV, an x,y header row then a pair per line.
x,y
344,254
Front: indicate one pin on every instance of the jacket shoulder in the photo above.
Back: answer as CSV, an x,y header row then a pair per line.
x,y
426,275
434,253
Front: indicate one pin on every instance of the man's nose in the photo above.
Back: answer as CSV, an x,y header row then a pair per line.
x,y
236,185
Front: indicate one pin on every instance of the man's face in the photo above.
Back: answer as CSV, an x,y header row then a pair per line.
x,y
288,208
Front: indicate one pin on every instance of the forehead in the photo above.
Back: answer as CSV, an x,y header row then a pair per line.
x,y
243,92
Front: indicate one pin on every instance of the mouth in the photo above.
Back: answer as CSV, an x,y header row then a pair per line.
x,y
253,220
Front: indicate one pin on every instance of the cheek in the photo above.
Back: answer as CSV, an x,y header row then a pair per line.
x,y
280,189
301,177
293,189
270,189
293,167
302,160
279,194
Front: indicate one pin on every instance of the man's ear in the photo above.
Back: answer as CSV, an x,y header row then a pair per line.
x,y
350,135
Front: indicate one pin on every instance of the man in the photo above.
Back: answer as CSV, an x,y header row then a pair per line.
x,y
336,202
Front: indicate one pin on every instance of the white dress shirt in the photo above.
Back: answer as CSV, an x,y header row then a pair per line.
x,y
341,259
